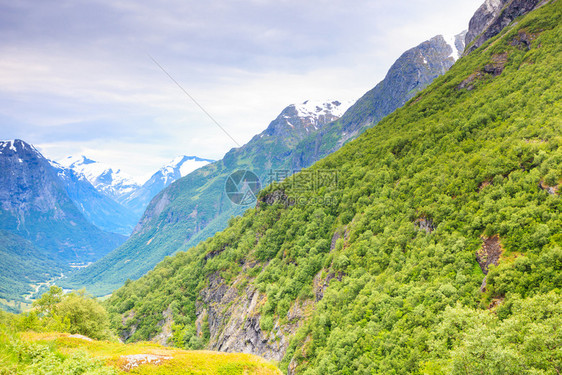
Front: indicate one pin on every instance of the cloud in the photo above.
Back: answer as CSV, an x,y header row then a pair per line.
x,y
77,76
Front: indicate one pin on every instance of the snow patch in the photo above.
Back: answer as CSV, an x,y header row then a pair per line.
x,y
450,40
315,109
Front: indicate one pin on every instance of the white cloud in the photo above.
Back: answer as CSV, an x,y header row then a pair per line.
x,y
76,76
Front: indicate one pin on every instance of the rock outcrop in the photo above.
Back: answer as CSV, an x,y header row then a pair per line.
x,y
235,322
492,17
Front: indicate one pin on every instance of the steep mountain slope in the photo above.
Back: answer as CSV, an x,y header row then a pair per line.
x,y
438,251
196,207
412,72
35,206
22,266
181,166
99,209
113,183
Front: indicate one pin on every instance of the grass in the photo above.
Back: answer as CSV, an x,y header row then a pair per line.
x,y
171,361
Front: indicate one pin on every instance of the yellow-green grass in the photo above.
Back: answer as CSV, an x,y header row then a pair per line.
x,y
172,361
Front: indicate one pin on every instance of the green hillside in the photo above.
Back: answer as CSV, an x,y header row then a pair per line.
x,y
22,266
385,273
53,353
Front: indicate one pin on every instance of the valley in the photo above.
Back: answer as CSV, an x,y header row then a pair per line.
x,y
415,230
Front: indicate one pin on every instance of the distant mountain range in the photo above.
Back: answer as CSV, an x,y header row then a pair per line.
x,y
53,217
41,225
138,199
100,209
125,191
112,182
196,207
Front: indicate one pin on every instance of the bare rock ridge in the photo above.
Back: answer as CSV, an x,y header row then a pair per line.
x,y
492,17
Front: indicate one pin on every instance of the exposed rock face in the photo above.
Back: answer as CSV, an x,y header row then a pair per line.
x,y
166,324
492,17
425,224
489,253
153,210
234,320
483,18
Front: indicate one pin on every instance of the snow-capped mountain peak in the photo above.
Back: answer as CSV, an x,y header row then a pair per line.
x,y
15,146
184,164
110,181
311,108
298,120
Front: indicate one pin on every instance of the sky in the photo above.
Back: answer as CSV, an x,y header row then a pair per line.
x,y
82,77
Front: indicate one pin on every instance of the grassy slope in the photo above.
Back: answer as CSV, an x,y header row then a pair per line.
x,y
473,162
22,356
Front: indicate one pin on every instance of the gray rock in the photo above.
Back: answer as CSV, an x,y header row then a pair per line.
x,y
492,17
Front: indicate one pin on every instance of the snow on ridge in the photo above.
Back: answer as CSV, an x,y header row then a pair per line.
x,y
93,170
184,164
311,108
11,144
450,40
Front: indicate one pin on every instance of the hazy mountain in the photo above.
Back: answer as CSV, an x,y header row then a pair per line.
x,y
98,208
175,169
34,205
112,182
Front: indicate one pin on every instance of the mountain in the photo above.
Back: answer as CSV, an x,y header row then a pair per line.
x,y
98,208
414,70
203,205
35,205
436,251
197,206
112,182
176,169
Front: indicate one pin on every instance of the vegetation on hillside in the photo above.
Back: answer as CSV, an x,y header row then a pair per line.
x,y
22,266
196,207
29,345
476,156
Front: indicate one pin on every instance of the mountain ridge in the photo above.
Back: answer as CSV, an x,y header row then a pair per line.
x,y
177,218
389,278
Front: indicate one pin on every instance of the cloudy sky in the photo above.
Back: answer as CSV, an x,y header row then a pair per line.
x,y
77,76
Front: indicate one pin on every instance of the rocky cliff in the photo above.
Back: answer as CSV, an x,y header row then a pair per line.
x,y
493,16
